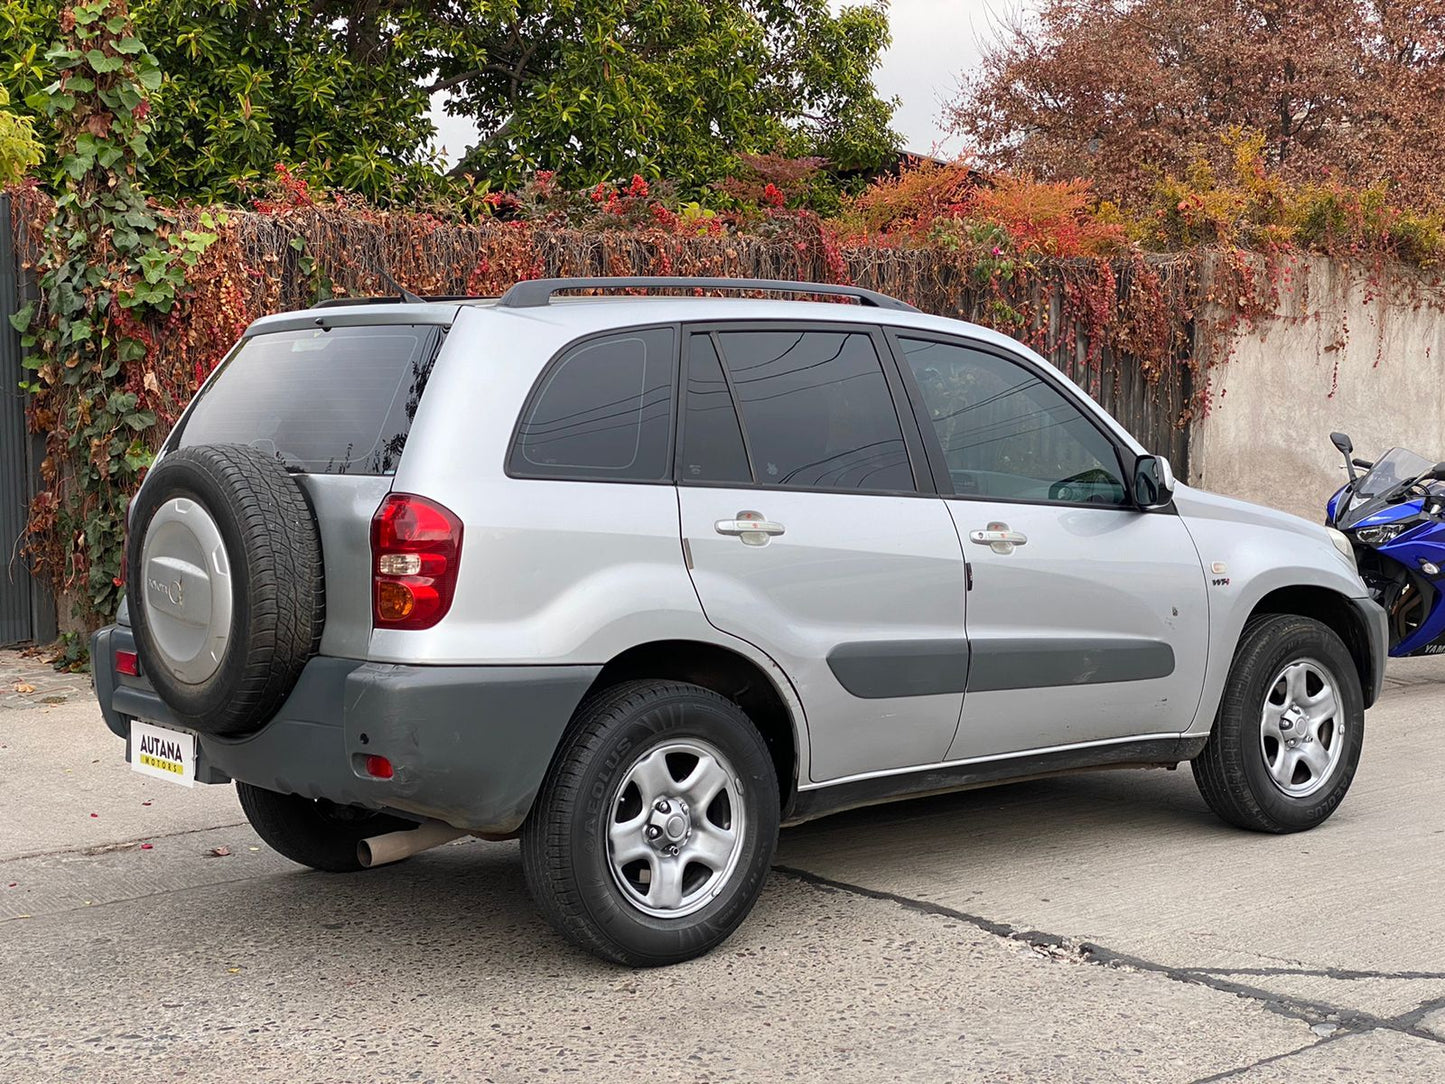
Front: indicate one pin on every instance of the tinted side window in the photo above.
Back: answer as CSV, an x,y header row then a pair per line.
x,y
817,410
1007,432
604,410
712,443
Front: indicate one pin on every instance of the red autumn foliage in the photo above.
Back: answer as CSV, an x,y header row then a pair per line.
x,y
932,202
288,191
910,203
1055,219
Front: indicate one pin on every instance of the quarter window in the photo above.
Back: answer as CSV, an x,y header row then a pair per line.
x,y
1007,432
816,410
603,411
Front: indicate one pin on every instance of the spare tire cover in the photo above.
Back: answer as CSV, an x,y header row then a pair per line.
x,y
225,585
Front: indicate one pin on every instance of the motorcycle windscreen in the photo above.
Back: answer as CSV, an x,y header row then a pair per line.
x,y
1371,489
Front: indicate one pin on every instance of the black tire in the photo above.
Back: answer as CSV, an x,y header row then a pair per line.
x,y
1232,770
273,548
564,842
319,834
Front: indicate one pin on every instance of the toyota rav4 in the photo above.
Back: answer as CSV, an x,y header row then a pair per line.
x,y
640,579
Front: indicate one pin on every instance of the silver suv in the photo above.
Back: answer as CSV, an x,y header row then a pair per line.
x,y
639,579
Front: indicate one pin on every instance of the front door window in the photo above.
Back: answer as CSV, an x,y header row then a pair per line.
x,y
1008,433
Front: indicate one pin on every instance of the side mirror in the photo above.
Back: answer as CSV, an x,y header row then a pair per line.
x,y
1342,442
1153,481
1437,472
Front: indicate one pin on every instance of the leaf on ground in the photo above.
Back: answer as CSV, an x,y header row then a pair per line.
x,y
220,852
24,687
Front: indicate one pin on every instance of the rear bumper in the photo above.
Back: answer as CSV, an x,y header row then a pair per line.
x,y
469,745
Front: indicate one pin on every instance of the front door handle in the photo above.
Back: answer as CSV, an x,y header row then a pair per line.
x,y
751,527
998,537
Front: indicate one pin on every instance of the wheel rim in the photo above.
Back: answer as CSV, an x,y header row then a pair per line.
x,y
1302,728
676,829
187,588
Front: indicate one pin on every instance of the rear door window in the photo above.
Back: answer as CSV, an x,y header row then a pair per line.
x,y
603,410
337,401
817,410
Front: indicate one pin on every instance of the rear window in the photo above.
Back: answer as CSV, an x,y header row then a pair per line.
x,y
338,401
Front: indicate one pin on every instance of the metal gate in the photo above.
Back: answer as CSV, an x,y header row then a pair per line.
x,y
26,609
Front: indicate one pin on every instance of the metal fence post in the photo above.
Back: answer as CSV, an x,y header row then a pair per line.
x,y
27,610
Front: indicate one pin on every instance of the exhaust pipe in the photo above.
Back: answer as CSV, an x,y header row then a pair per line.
x,y
394,846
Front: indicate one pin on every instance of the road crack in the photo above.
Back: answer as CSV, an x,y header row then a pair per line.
x,y
1241,1069
1343,974
1349,1021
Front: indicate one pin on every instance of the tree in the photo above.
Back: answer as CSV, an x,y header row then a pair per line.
x,y
591,89
1122,91
248,84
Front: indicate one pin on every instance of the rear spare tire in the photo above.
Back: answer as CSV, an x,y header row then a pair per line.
x,y
226,586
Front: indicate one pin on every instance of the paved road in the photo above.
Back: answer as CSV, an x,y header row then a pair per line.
x,y
1102,927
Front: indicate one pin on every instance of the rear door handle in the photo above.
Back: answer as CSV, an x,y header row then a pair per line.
x,y
998,537
751,527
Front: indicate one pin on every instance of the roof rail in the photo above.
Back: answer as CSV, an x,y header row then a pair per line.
x,y
391,299
535,293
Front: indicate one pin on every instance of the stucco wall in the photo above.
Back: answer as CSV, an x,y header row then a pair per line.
x,y
1265,437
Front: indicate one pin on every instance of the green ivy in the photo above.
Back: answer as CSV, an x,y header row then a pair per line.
x,y
113,265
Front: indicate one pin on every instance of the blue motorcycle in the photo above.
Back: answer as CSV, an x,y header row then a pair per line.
x,y
1394,515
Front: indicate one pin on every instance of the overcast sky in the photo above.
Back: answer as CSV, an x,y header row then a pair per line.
x,y
933,42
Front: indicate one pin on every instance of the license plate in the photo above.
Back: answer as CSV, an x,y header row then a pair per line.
x,y
164,753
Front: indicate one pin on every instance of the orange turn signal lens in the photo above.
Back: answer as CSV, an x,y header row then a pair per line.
x,y
394,601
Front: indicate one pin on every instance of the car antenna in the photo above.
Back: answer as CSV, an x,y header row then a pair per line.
x,y
406,295
403,293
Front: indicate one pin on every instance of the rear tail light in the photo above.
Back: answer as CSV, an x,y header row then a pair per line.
x,y
379,767
416,545
127,662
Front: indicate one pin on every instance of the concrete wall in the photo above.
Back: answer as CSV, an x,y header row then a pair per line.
x,y
1339,355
